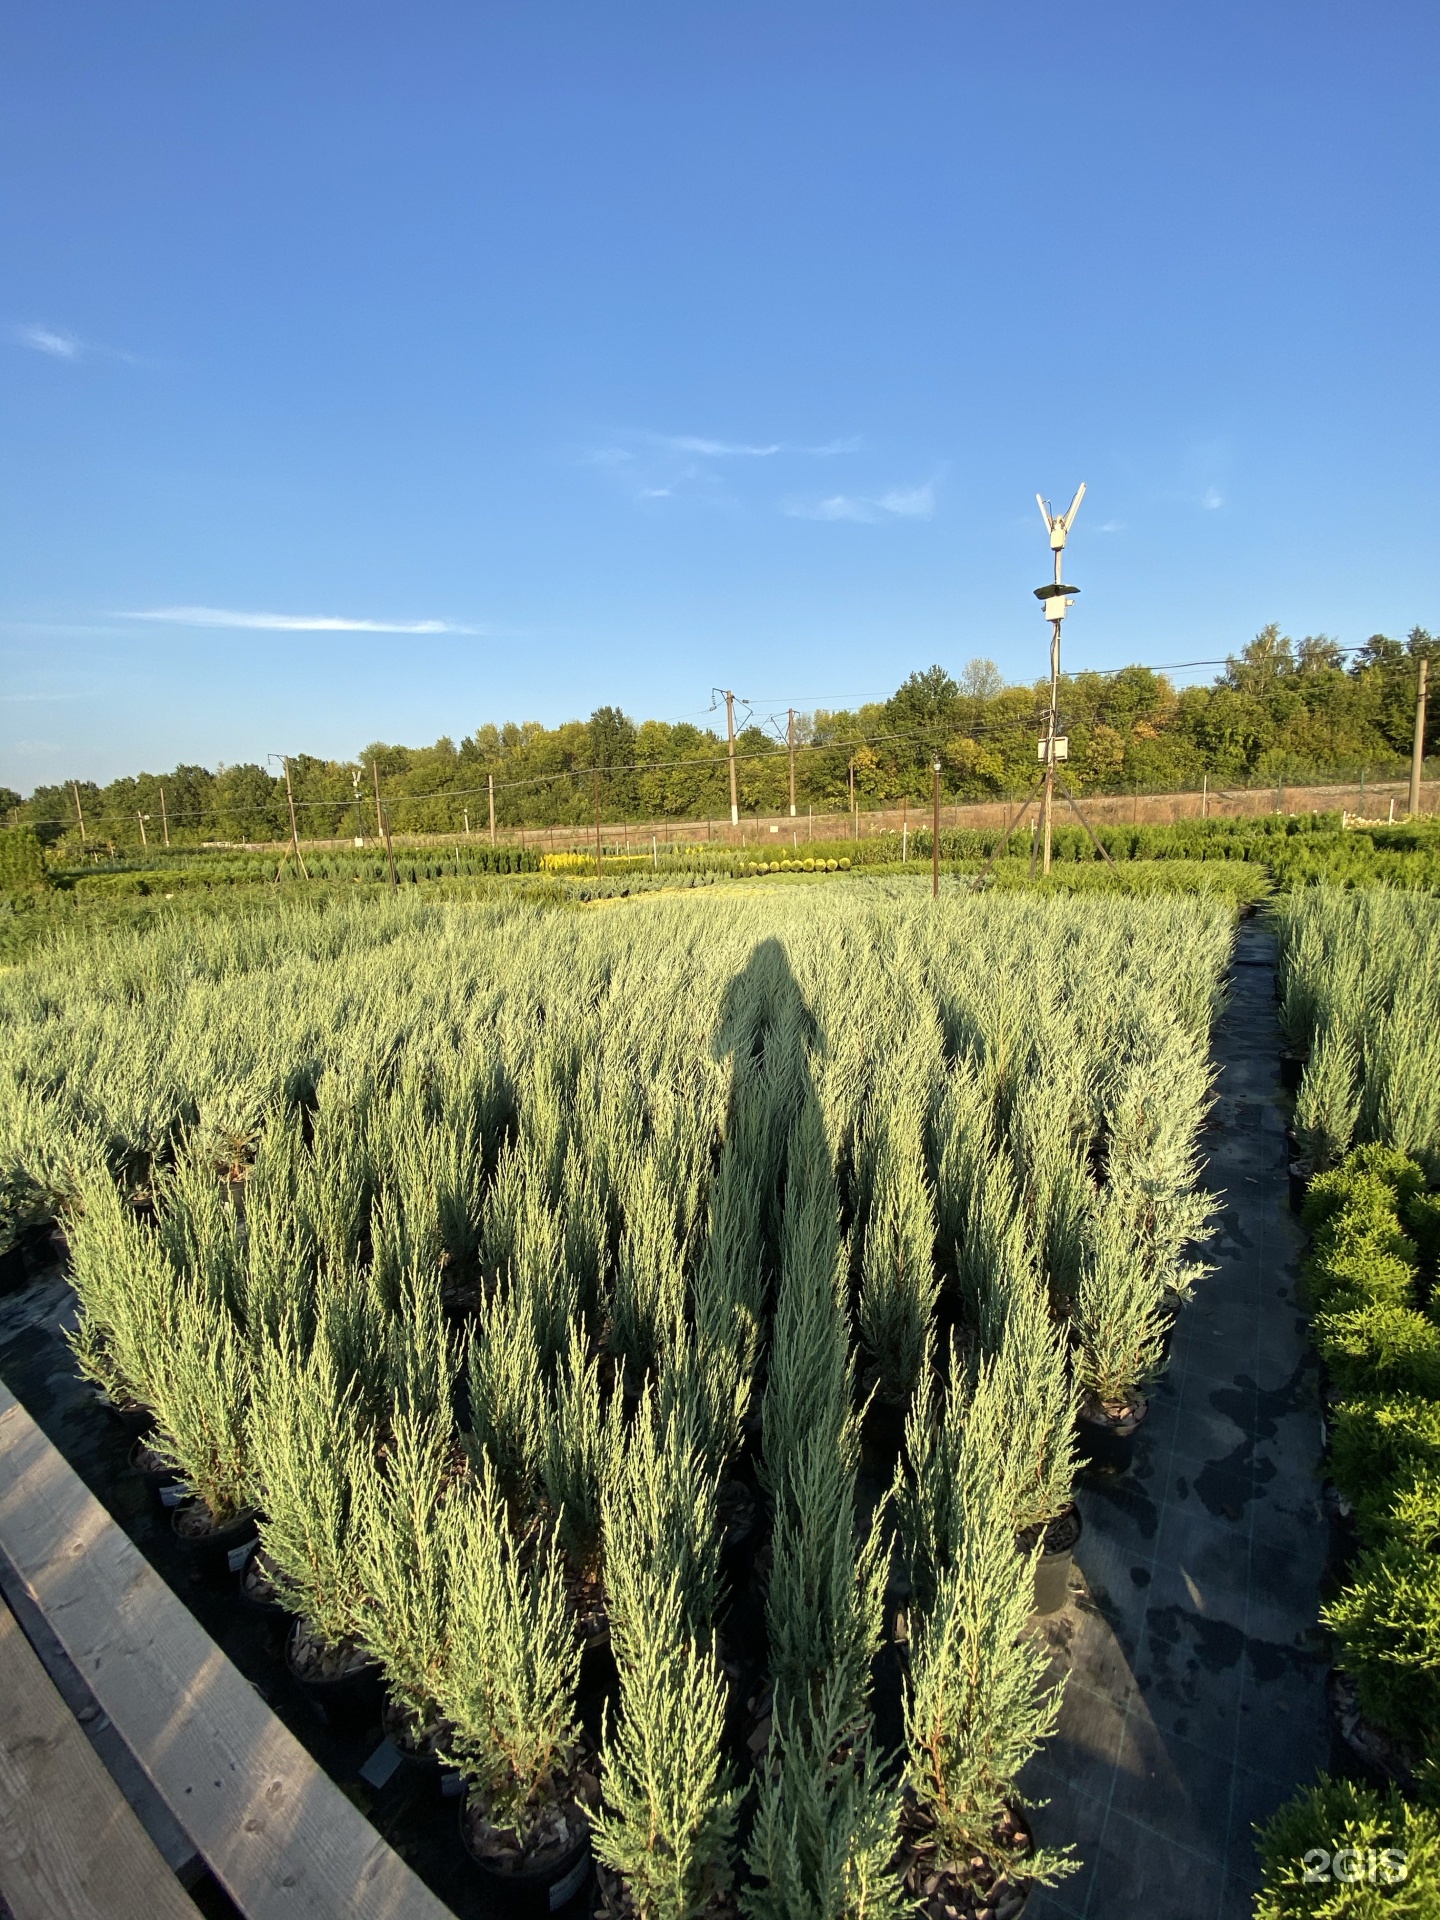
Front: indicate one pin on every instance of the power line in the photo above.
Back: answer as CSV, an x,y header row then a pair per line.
x,y
842,739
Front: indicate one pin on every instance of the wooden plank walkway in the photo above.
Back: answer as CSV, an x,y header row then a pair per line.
x,y
70,1848
279,1836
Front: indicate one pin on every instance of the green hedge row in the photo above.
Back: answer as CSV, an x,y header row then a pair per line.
x,y
1369,1278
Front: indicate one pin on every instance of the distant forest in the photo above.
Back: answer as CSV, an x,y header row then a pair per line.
x,y
1280,711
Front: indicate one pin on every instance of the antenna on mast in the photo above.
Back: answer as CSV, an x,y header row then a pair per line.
x,y
1054,600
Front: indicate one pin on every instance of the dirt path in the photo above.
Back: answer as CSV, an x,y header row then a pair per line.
x,y
1195,1702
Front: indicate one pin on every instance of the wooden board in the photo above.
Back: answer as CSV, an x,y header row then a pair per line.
x,y
277,1833
70,1848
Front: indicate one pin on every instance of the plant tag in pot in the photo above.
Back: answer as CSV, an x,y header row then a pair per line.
x,y
382,1763
173,1496
237,1556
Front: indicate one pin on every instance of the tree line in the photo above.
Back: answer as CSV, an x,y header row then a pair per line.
x,y
1280,711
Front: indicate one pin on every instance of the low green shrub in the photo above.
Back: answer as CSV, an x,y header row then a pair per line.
x,y
1341,1851
1350,1190
1398,1171
1358,1272
1378,1447
1387,1626
1381,1347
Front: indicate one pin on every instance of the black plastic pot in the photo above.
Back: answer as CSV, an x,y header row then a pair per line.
x,y
350,1703
1298,1176
1052,1569
137,1421
154,1477
217,1554
1292,1070
253,1600
1109,1445
553,1889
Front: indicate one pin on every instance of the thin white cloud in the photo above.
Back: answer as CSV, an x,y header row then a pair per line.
x,y
896,503
717,449
1111,526
660,466
1212,499
287,622
60,344
741,450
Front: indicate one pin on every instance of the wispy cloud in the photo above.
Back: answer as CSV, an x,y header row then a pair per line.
x,y
1212,499
1111,526
59,344
739,450
659,466
896,503
287,622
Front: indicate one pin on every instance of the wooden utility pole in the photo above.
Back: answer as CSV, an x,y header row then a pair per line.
x,y
490,788
164,818
284,760
79,811
383,826
1204,796
854,818
596,778
935,836
143,841
1417,751
730,729
792,763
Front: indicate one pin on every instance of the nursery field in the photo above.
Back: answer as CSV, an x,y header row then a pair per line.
x,y
44,897
699,1306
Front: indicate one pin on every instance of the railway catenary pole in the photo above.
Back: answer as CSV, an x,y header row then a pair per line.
x,y
730,731
1055,597
384,826
490,787
935,833
792,762
596,776
1417,751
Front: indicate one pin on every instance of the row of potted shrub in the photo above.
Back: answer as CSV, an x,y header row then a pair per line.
x,y
1371,1844
749,869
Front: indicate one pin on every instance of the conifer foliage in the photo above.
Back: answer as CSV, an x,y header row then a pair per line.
x,y
499,1257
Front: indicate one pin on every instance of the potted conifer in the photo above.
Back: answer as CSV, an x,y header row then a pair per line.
x,y
507,1689
976,1705
307,1435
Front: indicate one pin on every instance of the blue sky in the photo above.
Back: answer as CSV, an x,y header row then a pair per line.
x,y
612,352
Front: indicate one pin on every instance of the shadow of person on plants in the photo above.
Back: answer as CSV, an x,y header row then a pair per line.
x,y
777,1242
